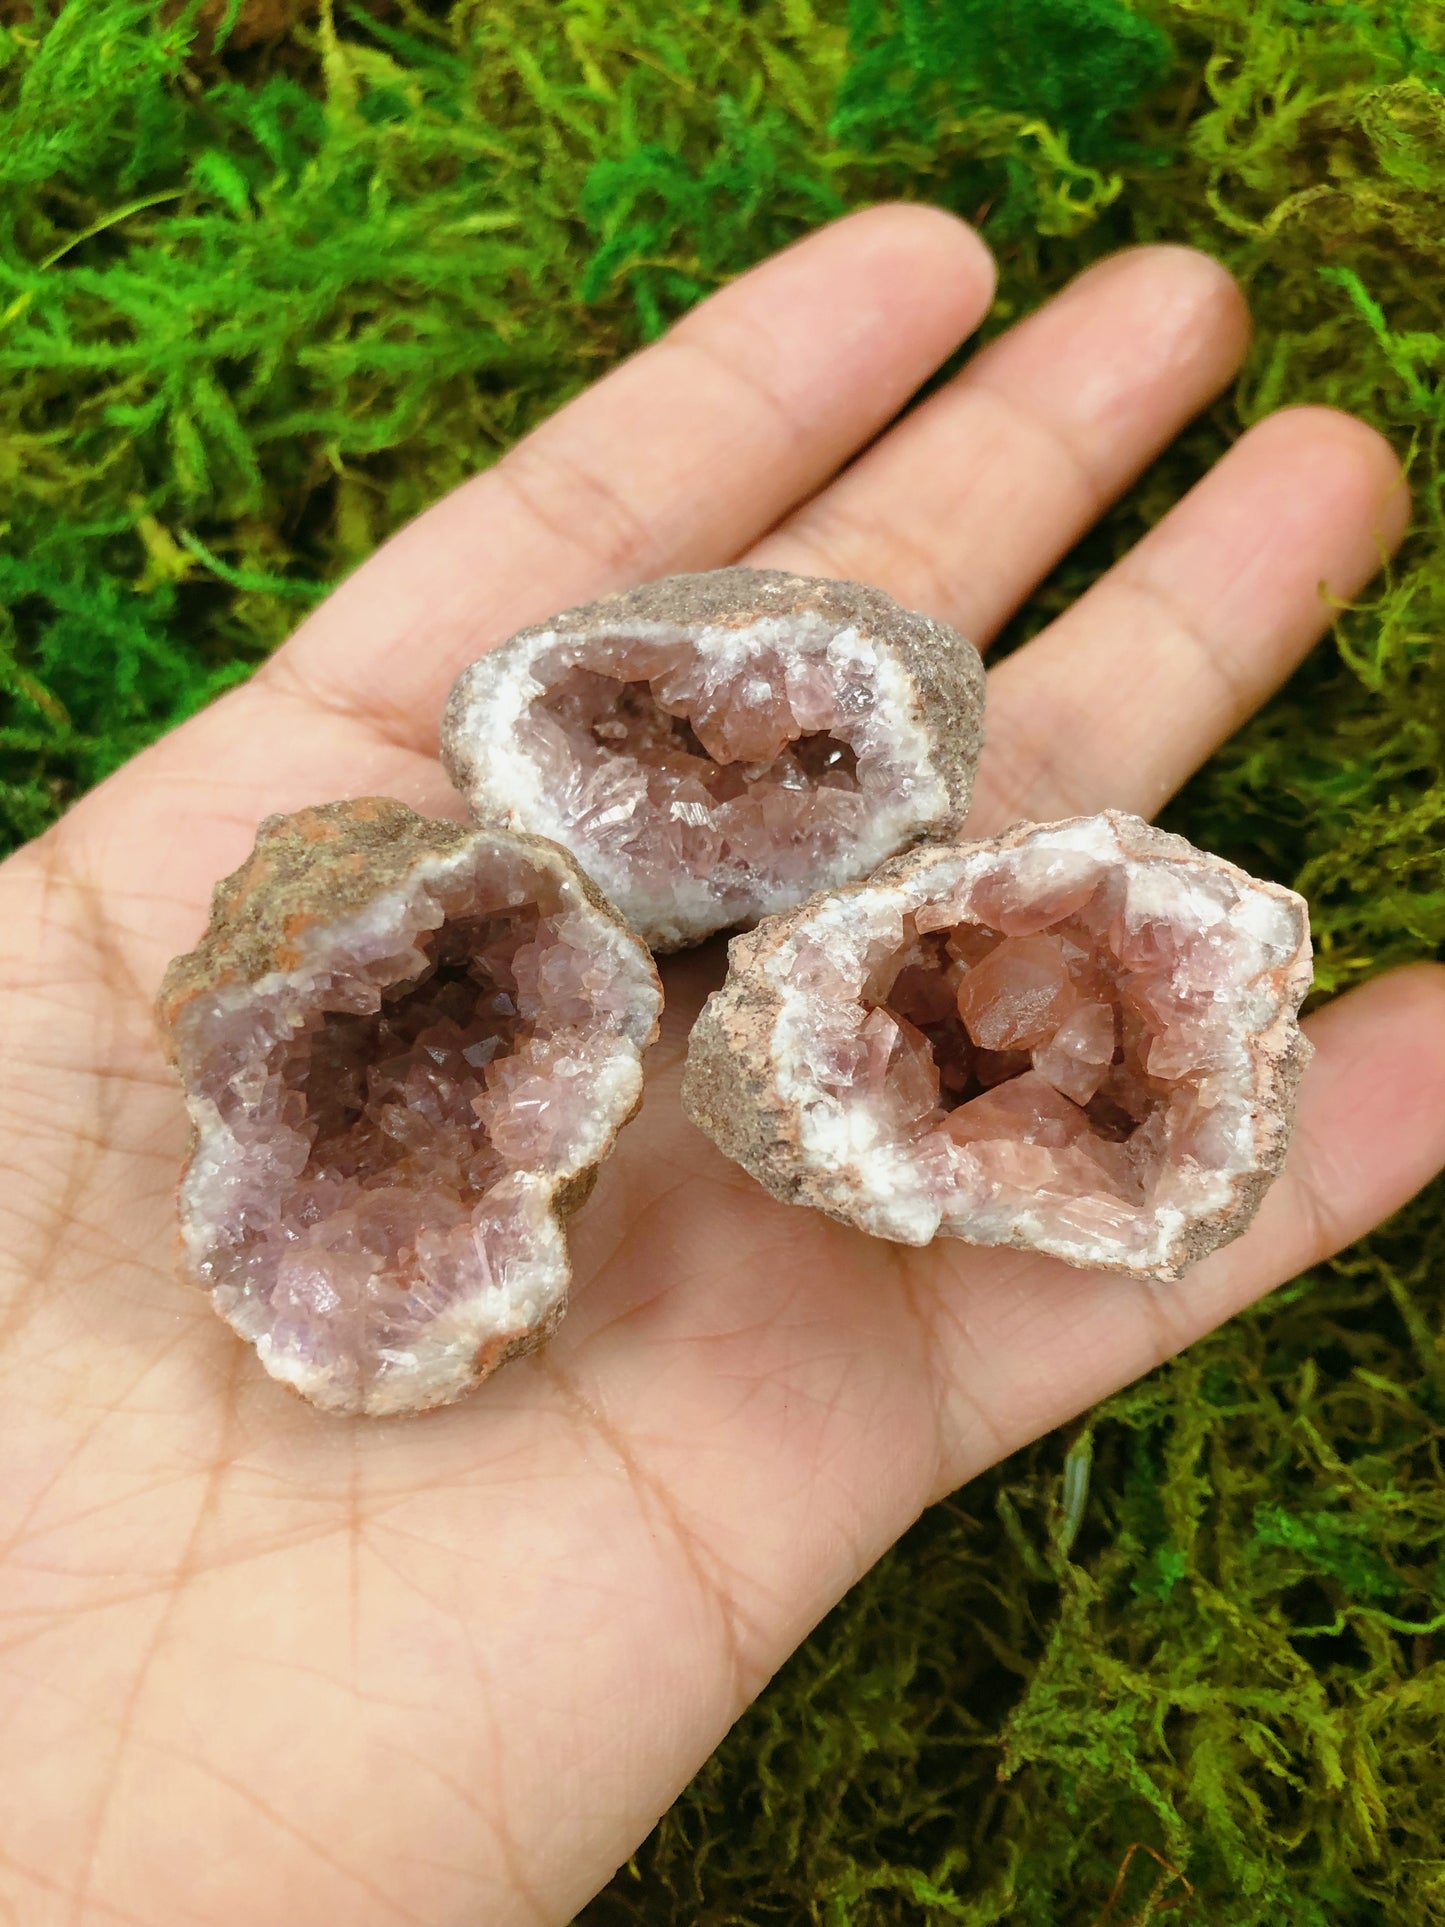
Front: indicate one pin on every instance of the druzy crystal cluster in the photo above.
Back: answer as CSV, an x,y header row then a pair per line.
x,y
1080,1038
713,747
406,1047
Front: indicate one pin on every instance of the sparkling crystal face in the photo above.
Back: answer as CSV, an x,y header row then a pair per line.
x,y
730,772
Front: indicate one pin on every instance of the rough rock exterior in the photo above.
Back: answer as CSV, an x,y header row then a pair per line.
x,y
1079,1038
713,747
406,1047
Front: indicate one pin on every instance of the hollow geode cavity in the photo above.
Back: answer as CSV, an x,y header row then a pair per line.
x,y
406,1047
1079,1038
712,748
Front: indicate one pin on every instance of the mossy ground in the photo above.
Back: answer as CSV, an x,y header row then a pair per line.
x,y
272,277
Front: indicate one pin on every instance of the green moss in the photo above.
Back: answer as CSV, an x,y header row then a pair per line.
x,y
260,300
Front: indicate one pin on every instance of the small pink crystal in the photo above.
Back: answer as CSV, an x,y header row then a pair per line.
x,y
1018,995
898,1065
1076,1058
713,747
1111,1017
405,1047
1026,1108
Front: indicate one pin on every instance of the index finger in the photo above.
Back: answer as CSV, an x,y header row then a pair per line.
x,y
679,459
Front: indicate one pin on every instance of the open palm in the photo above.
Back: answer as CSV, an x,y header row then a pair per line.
x,y
263,1668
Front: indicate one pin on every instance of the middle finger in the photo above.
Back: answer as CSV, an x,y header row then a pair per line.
x,y
961,508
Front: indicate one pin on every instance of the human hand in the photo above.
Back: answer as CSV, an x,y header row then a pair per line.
x,y
264,1668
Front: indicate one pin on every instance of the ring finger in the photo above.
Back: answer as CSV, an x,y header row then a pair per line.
x,y
1121,698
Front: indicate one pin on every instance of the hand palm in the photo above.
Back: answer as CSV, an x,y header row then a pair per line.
x,y
266,1666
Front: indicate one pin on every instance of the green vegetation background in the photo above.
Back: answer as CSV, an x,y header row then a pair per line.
x,y
270,282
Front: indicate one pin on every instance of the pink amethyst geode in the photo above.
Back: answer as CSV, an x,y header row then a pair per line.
x,y
1079,1038
406,1047
712,748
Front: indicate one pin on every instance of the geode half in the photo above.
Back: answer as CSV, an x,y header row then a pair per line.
x,y
406,1046
1079,1038
712,748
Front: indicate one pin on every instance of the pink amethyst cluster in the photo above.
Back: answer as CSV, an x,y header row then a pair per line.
x,y
1080,1038
734,764
713,747
406,1047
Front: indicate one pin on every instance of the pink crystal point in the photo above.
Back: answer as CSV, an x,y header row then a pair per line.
x,y
713,747
406,1047
1111,1018
1018,995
